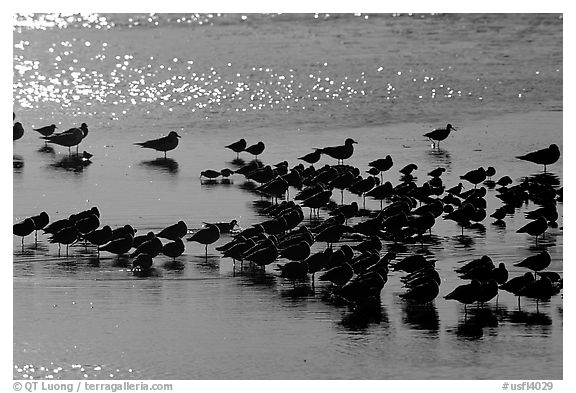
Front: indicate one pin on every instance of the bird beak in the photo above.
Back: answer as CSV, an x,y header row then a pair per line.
x,y
178,136
354,142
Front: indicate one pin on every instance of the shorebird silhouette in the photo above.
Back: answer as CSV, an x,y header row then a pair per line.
x,y
547,156
341,152
311,158
47,130
256,149
237,147
23,229
206,236
535,228
439,134
164,144
18,131
69,138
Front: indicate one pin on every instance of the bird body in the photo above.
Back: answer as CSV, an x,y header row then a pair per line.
x,y
535,228
422,293
237,146
164,144
536,262
312,158
547,156
99,237
69,138
47,130
152,247
467,293
17,131
23,228
341,152
119,246
173,232
382,164
440,134
173,249
40,221
256,149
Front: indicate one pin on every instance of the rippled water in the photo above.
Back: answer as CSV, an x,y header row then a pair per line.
x,y
294,82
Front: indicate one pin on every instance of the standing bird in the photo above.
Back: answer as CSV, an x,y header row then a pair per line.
x,y
23,229
206,236
69,138
256,149
536,262
173,249
475,176
164,144
466,294
342,152
237,147
18,131
547,156
99,237
439,134
312,158
46,131
40,221
119,246
535,228
174,232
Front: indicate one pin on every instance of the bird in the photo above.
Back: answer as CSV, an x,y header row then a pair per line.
x,y
23,229
382,164
57,225
341,152
237,147
120,232
263,256
173,232
312,158
535,228
18,131
210,174
65,236
546,156
437,172
69,138
422,293
338,275
119,246
296,252
173,249
255,149
407,170
475,176
439,134
152,247
206,236
164,144
88,224
536,262
47,130
467,293
293,270
40,221
99,237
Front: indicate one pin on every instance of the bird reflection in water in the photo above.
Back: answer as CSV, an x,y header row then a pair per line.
x,y
17,163
72,163
173,265
47,150
421,317
162,164
440,157
365,314
472,327
297,292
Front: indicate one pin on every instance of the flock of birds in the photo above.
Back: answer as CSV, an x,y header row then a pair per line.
x,y
358,273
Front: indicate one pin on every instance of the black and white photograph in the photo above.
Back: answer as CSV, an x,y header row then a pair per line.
x,y
287,196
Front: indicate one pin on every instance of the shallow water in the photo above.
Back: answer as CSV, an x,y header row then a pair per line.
x,y
77,317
